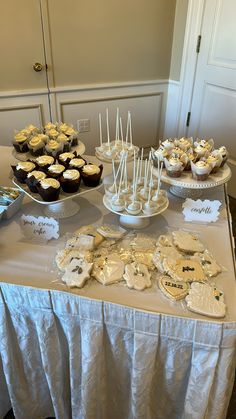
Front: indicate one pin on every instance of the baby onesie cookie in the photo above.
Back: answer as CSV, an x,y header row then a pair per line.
x,y
108,270
90,230
137,276
207,300
184,270
208,263
171,289
165,252
187,242
64,257
77,272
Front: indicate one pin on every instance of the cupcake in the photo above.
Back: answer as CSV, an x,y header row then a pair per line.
x,y
20,142
55,170
200,169
22,169
32,129
43,162
49,189
91,174
77,163
215,160
70,181
174,167
190,157
43,137
70,132
160,153
184,143
33,178
49,126
168,144
53,148
65,158
36,145
66,141
224,153
53,134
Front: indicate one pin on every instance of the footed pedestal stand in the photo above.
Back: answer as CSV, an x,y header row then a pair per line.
x,y
63,209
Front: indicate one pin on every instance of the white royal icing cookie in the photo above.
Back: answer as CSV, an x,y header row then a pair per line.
x,y
208,263
205,299
174,290
112,232
187,242
82,242
108,270
184,270
137,276
164,240
77,272
65,256
165,252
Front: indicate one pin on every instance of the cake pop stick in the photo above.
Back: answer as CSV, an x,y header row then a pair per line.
x,y
130,131
117,126
127,130
114,176
150,187
121,134
100,129
156,195
140,169
108,132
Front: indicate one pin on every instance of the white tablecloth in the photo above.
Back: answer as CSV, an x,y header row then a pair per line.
x,y
109,352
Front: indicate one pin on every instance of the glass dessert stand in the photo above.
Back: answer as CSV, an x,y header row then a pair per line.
x,y
187,187
140,220
64,207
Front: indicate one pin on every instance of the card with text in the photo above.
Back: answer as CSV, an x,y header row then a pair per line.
x,y
203,211
40,228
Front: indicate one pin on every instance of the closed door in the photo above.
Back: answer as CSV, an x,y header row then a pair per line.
x,y
213,110
21,46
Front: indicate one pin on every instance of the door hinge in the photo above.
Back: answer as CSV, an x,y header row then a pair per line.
x,y
188,119
198,43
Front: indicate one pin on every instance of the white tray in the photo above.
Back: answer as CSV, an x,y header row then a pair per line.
x,y
106,159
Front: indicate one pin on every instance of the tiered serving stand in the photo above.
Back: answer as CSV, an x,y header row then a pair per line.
x,y
64,207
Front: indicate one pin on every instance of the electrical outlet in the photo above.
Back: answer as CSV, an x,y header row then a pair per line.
x,y
83,125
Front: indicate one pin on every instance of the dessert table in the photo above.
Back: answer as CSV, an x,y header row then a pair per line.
x,y
107,351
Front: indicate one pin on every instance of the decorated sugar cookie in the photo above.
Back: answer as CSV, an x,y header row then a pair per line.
x,y
77,272
208,263
206,299
174,290
165,240
184,270
137,276
165,252
108,270
64,257
187,242
145,258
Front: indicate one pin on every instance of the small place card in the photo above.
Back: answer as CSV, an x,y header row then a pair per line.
x,y
41,228
206,211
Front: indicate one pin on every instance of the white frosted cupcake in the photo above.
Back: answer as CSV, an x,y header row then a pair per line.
x,y
200,169
184,143
91,174
43,162
36,145
70,181
22,169
65,158
20,142
224,153
55,170
49,189
66,141
215,160
174,167
33,178
77,163
168,144
53,148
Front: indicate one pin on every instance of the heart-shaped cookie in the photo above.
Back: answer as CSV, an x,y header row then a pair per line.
x,y
172,289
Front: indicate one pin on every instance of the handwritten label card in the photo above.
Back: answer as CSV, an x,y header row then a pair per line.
x,y
204,211
41,228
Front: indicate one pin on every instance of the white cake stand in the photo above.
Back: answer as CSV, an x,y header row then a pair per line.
x,y
187,187
137,221
64,207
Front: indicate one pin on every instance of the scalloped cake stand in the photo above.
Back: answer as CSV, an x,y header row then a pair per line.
x,y
136,221
187,187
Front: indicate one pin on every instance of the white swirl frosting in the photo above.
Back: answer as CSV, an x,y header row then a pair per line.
x,y
71,174
53,144
49,182
62,137
43,160
201,167
37,174
20,138
65,156
49,126
27,166
91,169
53,133
35,141
56,168
77,162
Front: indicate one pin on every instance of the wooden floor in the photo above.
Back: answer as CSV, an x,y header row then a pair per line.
x,y
231,414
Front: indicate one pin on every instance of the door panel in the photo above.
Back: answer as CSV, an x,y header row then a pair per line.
x,y
213,110
21,45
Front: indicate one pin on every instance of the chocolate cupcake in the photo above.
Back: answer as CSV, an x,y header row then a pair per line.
x,y
91,174
36,146
65,158
55,170
20,142
70,181
22,169
49,189
53,148
43,162
33,178
77,163
65,141
70,132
